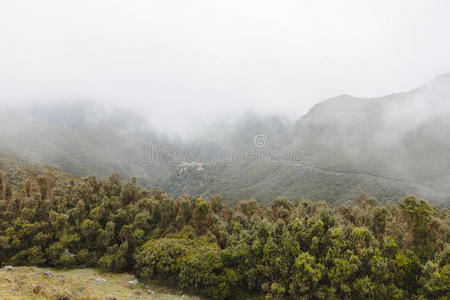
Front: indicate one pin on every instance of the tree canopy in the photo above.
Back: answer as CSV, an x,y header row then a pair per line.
x,y
300,249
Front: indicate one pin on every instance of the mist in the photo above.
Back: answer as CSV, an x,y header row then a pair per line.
x,y
183,65
348,92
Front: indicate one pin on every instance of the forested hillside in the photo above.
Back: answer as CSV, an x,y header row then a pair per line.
x,y
82,141
300,249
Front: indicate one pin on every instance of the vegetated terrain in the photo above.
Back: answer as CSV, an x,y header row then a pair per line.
x,y
296,249
37,283
387,147
70,138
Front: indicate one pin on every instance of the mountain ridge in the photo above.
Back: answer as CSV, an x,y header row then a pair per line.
x,y
398,139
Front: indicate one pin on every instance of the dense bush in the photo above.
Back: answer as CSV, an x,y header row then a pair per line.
x,y
297,250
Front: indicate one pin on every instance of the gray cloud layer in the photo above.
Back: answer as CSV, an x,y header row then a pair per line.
x,y
184,63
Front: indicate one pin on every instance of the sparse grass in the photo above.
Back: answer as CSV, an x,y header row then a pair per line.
x,y
32,283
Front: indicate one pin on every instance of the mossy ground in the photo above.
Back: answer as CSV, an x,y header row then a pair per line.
x,y
32,283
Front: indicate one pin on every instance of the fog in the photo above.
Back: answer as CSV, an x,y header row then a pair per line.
x,y
183,64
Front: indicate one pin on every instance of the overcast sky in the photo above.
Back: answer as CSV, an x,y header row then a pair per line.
x,y
180,61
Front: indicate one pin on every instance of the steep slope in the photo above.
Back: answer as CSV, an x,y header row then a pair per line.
x,y
387,147
90,148
401,136
14,170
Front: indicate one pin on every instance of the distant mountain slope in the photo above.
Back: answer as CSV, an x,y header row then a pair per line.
x,y
387,147
401,136
87,149
15,171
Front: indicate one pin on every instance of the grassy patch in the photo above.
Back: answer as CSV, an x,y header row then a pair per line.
x,y
32,283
